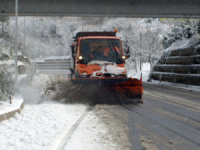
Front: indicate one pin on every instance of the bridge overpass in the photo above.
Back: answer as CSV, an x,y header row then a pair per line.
x,y
105,8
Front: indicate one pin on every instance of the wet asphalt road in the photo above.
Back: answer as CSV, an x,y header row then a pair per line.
x,y
168,119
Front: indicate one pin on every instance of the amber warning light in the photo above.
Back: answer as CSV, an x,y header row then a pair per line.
x,y
115,30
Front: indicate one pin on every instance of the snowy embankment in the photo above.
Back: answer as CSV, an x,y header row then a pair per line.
x,y
8,110
182,49
179,64
40,126
6,107
43,122
145,76
144,72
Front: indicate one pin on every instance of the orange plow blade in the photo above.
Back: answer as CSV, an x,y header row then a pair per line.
x,y
132,88
124,88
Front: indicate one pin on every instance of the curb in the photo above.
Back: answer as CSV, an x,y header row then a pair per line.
x,y
10,114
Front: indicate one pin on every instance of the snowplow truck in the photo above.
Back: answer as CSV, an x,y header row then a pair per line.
x,y
98,58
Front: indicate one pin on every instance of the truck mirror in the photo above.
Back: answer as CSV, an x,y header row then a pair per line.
x,y
127,55
127,50
72,48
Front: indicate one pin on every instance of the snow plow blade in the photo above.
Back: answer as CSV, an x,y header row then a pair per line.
x,y
132,88
122,86
99,81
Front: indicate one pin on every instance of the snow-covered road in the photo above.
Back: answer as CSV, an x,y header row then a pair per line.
x,y
169,119
99,130
43,122
39,127
46,124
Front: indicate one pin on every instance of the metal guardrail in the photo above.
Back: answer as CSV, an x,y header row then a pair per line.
x,y
53,66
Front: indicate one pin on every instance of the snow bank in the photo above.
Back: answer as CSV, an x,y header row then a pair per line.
x,y
6,107
186,43
145,72
20,64
39,127
43,122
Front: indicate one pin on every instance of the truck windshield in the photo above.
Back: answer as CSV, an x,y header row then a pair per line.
x,y
101,50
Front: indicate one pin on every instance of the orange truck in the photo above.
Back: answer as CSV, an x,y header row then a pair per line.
x,y
98,58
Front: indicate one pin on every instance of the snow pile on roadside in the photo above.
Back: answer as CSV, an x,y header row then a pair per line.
x,y
39,127
145,72
100,130
6,107
43,123
194,41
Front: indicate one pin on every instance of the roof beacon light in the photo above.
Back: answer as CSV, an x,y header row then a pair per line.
x,y
115,30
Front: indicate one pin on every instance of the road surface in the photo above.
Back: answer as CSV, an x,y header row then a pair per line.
x,y
168,119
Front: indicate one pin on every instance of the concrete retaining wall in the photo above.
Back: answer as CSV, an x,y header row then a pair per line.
x,y
179,66
11,113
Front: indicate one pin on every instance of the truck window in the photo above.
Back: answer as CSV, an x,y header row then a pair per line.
x,y
95,49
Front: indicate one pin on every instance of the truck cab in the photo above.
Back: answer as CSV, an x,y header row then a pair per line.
x,y
97,54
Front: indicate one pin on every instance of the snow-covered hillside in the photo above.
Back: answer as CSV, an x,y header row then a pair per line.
x,y
52,36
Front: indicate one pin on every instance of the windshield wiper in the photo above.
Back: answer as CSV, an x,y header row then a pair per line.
x,y
115,51
90,54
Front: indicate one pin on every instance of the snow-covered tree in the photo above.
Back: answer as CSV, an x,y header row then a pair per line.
x,y
4,21
143,36
5,82
198,27
181,30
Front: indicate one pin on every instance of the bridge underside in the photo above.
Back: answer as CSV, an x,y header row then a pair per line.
x,y
105,8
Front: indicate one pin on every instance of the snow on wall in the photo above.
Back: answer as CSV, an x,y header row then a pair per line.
x,y
194,41
179,54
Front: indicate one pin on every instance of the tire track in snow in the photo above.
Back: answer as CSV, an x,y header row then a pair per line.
x,y
73,129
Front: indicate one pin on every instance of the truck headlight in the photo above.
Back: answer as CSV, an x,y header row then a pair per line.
x,y
80,57
123,57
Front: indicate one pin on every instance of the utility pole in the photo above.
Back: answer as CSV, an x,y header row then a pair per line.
x,y
140,52
16,41
24,33
2,53
34,61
